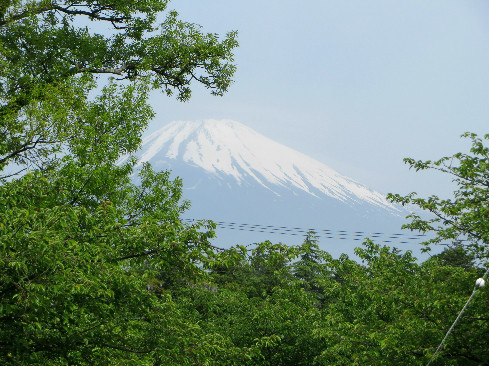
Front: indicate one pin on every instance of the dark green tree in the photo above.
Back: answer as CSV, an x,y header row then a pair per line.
x,y
257,271
310,268
456,255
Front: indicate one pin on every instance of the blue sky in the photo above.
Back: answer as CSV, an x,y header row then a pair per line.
x,y
357,85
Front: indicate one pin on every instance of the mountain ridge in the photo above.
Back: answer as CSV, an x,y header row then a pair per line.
x,y
230,150
214,167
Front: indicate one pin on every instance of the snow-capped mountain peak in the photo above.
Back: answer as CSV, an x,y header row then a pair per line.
x,y
230,150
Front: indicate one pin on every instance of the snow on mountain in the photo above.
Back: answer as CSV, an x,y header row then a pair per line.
x,y
229,150
232,174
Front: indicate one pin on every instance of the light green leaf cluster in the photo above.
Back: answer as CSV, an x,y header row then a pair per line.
x,y
80,243
464,216
388,309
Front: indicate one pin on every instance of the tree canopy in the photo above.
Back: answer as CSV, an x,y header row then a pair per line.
x,y
51,60
79,241
465,216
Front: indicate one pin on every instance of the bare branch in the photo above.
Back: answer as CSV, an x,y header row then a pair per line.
x,y
13,174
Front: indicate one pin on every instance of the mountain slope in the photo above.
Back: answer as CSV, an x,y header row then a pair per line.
x,y
232,173
231,151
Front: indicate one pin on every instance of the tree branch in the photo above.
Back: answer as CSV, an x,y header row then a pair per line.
x,y
44,8
139,255
92,14
153,251
25,147
107,70
12,175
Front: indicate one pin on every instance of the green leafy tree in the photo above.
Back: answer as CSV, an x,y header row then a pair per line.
x,y
464,216
461,219
79,242
392,310
258,306
49,63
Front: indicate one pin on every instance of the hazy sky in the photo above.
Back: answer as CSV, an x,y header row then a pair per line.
x,y
357,85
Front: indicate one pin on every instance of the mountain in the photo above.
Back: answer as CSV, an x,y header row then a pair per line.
x,y
232,173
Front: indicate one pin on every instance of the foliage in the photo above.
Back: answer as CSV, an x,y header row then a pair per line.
x,y
96,269
309,267
387,310
466,215
49,63
391,310
462,220
258,306
79,242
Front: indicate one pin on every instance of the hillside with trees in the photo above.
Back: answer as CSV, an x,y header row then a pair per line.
x,y
96,269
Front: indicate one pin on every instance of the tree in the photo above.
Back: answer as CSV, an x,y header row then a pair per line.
x,y
386,309
49,64
258,306
309,268
466,215
462,219
392,310
256,273
456,255
78,240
